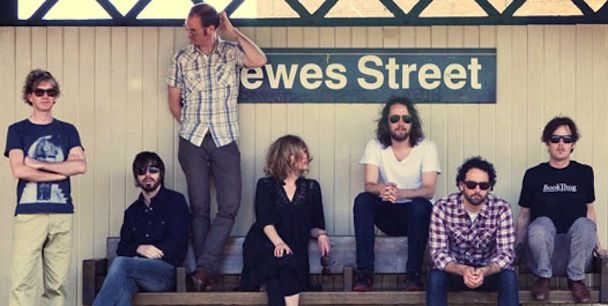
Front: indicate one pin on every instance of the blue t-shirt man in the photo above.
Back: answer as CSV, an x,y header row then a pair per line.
x,y
49,143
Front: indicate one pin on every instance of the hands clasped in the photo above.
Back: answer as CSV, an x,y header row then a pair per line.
x,y
149,251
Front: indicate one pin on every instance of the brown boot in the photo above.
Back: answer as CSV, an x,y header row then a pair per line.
x,y
579,290
541,288
201,281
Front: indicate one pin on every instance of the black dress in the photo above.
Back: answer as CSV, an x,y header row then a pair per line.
x,y
293,222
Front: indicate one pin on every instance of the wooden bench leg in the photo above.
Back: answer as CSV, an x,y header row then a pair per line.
x,y
348,278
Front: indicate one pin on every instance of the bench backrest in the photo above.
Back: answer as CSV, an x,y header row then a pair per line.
x,y
390,253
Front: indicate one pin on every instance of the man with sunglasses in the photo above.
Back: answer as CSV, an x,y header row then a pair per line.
x,y
153,237
203,83
472,238
44,153
557,213
401,169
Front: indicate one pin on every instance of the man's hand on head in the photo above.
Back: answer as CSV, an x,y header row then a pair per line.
x,y
226,29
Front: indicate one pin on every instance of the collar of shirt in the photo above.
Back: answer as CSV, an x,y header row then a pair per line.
x,y
484,212
155,200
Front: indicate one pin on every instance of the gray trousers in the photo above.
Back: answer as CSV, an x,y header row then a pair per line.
x,y
224,165
550,252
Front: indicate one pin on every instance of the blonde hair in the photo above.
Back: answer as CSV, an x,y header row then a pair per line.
x,y
279,158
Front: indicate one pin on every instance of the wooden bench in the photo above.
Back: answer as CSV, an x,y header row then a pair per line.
x,y
388,280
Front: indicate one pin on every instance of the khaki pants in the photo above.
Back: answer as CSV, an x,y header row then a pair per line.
x,y
41,241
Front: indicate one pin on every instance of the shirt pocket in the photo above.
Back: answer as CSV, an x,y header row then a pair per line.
x,y
486,238
225,76
194,78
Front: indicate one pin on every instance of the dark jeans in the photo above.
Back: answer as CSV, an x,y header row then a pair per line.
x,y
440,282
411,220
198,164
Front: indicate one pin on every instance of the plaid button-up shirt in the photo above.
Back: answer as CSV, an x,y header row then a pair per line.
x,y
209,90
455,238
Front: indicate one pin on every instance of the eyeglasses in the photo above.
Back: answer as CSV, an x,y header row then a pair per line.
x,y
473,185
325,263
557,138
193,31
51,92
395,118
150,169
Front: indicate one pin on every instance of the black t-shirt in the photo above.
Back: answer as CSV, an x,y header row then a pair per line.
x,y
561,195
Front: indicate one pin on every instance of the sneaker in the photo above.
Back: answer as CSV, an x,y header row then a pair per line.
x,y
364,280
541,288
580,291
413,285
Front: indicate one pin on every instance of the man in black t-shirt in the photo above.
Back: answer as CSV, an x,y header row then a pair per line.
x,y
556,203
44,152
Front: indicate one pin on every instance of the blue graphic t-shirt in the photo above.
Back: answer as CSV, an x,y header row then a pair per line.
x,y
47,142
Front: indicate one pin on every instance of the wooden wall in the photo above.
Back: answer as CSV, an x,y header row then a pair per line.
x,y
113,84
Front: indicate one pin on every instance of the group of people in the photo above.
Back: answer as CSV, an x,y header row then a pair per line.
x,y
471,233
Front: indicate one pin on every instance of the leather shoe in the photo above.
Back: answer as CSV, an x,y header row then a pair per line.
x,y
541,288
580,291
200,281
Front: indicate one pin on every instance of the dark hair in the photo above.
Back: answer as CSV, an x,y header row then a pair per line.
x,y
145,159
278,159
33,79
478,163
383,132
207,14
555,123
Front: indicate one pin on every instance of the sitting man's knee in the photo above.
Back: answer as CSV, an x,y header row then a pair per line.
x,y
541,228
584,224
363,200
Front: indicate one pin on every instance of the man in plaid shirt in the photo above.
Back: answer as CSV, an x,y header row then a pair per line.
x,y
203,86
472,238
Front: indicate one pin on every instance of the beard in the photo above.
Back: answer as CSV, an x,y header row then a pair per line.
x,y
149,185
400,135
474,199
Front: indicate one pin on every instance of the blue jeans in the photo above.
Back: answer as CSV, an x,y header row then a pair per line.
x,y
440,282
411,220
129,275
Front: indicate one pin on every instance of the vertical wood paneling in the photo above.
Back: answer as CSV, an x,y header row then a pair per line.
x,y
119,180
83,187
114,91
439,122
502,139
600,124
12,100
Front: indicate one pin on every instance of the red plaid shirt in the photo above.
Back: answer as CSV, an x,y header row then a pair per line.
x,y
488,239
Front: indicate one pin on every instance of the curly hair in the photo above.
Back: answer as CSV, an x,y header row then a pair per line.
x,y
279,161
146,159
383,132
479,163
33,79
206,13
555,123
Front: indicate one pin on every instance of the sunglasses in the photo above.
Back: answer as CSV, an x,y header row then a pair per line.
x,y
325,263
51,92
395,118
557,138
472,185
150,169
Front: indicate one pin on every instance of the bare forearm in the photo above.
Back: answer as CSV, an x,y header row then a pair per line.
x,y
374,188
420,192
490,269
272,234
455,268
66,168
254,56
316,232
33,175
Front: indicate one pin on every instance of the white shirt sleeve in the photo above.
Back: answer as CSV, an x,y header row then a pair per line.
x,y
372,154
430,162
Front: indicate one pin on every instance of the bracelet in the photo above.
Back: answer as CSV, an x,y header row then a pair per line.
x,y
322,234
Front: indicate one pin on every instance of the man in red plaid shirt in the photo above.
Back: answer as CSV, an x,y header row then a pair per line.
x,y
472,238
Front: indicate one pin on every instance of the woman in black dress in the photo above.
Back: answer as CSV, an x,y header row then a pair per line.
x,y
289,211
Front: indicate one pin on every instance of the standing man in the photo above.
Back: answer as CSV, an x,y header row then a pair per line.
x,y
203,88
153,238
401,169
43,153
472,239
557,200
